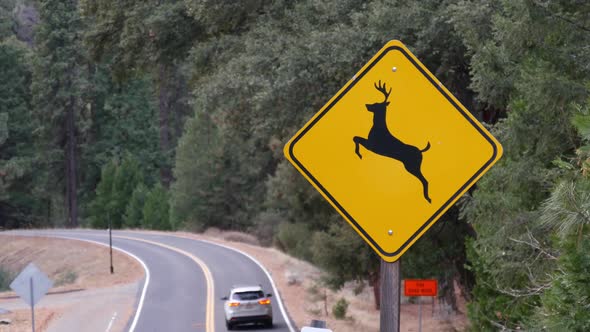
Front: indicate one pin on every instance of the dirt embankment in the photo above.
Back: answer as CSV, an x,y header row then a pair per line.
x,y
71,265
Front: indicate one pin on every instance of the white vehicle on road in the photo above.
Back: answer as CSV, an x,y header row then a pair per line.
x,y
247,304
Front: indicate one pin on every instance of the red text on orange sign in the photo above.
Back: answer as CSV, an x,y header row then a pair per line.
x,y
420,287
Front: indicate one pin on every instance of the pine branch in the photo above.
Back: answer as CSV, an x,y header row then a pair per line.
x,y
535,244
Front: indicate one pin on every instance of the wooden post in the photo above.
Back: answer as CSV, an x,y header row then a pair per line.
x,y
390,296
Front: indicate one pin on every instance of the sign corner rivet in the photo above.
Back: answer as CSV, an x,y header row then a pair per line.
x,y
390,232
394,69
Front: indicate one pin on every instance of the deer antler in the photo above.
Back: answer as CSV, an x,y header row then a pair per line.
x,y
383,90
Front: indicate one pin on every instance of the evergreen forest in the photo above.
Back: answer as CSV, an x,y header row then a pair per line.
x,y
172,115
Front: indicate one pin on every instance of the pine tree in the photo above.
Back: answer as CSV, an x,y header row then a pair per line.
x,y
127,177
19,206
101,207
148,36
527,58
156,211
565,304
58,88
118,181
133,217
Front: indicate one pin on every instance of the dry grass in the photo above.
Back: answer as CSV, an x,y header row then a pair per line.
x,y
72,265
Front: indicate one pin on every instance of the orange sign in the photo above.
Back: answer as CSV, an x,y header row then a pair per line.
x,y
417,287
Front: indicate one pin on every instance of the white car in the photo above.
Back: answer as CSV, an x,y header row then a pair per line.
x,y
247,304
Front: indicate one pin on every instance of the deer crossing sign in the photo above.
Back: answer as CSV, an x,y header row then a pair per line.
x,y
392,151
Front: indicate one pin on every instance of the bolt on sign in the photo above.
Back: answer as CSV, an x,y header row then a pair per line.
x,y
392,150
420,287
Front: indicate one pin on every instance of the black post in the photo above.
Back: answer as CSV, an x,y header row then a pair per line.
x,y
390,296
111,243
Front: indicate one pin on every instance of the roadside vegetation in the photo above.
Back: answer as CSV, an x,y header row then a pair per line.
x,y
173,115
5,279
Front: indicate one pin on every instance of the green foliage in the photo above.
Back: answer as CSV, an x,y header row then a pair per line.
x,y
156,211
139,37
3,127
65,278
124,121
339,309
5,279
198,198
295,239
127,177
137,34
225,16
566,302
20,205
101,206
59,90
565,210
581,121
266,226
6,21
118,182
133,217
527,57
342,253
426,260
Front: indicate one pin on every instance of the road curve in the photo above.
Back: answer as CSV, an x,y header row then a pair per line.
x,y
187,280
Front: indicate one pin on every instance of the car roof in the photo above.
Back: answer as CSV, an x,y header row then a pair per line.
x,y
240,289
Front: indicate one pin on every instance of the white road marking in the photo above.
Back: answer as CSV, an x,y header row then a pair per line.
x,y
210,308
274,287
111,322
145,268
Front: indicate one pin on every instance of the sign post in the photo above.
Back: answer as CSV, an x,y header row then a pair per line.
x,y
31,285
32,305
415,287
390,296
392,151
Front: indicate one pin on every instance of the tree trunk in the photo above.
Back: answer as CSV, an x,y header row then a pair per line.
x,y
71,167
164,114
447,292
375,282
182,110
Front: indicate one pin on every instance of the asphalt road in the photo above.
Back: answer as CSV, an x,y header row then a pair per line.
x,y
187,279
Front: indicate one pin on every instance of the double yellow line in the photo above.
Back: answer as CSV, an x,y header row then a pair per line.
x,y
209,314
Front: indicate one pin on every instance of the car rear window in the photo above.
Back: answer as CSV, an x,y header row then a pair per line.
x,y
245,296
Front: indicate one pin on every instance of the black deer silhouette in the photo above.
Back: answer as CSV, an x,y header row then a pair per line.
x,y
382,142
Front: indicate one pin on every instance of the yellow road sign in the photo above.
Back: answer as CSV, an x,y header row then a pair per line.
x,y
393,150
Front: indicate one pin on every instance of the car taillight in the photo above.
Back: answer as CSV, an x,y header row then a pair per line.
x,y
234,304
264,301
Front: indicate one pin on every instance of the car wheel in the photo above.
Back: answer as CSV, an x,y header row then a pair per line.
x,y
229,325
268,323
